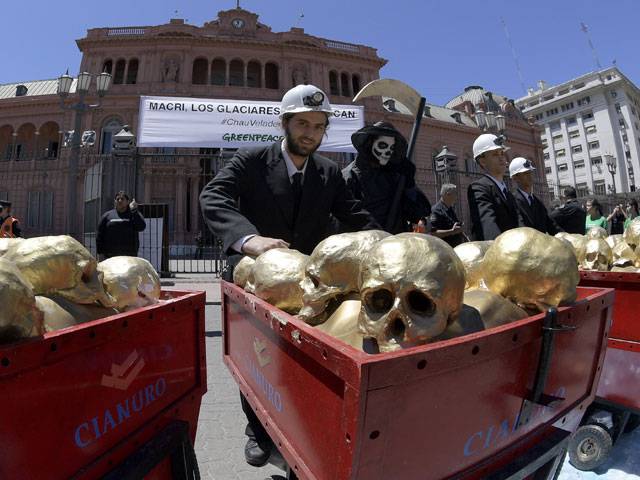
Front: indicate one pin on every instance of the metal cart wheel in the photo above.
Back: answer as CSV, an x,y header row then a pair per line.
x,y
589,447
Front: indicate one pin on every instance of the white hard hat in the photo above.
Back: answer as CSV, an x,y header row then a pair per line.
x,y
487,142
305,98
520,165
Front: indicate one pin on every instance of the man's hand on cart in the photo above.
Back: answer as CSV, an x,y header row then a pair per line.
x,y
257,245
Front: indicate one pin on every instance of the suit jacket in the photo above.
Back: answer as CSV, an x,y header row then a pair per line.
x,y
491,213
252,194
535,215
570,217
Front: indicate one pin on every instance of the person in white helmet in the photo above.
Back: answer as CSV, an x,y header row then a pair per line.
x,y
281,195
492,207
532,211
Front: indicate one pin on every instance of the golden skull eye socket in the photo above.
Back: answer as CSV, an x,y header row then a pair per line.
x,y
379,301
420,303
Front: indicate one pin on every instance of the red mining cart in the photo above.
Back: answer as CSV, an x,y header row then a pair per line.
x,y
497,404
115,398
616,408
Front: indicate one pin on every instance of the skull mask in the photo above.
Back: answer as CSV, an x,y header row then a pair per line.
x,y
60,264
411,287
383,148
532,269
471,254
332,272
276,276
598,255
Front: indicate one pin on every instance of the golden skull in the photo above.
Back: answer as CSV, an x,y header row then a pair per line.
x,y
596,232
628,269
411,287
332,272
579,244
598,255
471,254
532,269
276,277
19,316
632,234
343,324
7,244
482,310
623,255
242,270
60,264
613,240
131,282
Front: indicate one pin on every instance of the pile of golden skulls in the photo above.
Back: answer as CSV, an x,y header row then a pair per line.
x,y
50,283
379,292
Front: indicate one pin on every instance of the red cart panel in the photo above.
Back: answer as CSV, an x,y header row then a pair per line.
x,y
80,400
620,380
435,411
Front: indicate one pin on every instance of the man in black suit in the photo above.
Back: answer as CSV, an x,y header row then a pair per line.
x,y
532,211
444,221
280,196
492,207
571,216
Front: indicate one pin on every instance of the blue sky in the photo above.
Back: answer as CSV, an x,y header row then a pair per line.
x,y
438,47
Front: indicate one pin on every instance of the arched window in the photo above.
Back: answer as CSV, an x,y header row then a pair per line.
x,y
25,141
333,83
6,142
118,78
355,83
236,73
199,73
49,140
132,71
344,82
107,66
110,128
254,74
218,72
271,76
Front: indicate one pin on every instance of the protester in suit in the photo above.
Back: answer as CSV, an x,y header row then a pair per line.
x,y
570,217
492,207
282,195
531,209
444,221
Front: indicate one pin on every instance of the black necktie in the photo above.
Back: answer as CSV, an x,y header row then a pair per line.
x,y
296,187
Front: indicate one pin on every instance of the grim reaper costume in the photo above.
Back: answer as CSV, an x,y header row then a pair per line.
x,y
383,179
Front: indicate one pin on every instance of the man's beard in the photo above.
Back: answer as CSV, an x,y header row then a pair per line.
x,y
296,148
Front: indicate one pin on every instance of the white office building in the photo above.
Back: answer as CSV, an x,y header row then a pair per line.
x,y
591,127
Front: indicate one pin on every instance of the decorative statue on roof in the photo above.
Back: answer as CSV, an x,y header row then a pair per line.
x,y
383,178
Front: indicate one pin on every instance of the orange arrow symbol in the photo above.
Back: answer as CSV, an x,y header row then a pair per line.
x,y
115,380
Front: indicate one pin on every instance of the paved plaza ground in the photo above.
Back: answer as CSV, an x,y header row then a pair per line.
x,y
220,439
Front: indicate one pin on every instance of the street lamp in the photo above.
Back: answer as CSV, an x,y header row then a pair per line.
x,y
490,121
65,82
611,166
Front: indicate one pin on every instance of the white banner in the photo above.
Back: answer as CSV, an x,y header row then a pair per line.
x,y
208,123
